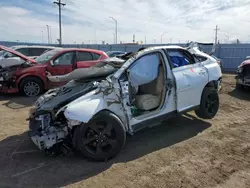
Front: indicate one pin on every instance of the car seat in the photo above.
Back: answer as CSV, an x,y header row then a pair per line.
x,y
151,93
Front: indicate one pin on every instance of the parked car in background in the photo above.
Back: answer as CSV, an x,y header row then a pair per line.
x,y
29,77
243,74
154,84
115,53
29,51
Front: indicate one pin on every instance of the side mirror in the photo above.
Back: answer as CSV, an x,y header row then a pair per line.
x,y
6,56
51,63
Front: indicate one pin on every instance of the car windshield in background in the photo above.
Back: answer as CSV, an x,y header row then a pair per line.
x,y
46,56
1,53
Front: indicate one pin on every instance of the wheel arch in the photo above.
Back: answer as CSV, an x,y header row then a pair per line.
x,y
115,115
19,81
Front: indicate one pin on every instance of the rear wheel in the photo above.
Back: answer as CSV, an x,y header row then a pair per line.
x,y
102,138
239,86
209,105
31,86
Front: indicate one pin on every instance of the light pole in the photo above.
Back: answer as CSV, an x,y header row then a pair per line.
x,y
42,36
114,37
48,32
115,28
162,36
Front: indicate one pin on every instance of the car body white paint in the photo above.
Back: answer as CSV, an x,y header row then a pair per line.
x,y
187,83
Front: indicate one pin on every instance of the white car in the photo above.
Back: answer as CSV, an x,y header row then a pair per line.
x,y
155,84
8,56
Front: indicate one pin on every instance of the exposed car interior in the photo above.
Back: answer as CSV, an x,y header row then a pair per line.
x,y
149,96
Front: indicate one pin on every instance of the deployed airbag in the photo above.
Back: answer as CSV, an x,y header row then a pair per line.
x,y
144,70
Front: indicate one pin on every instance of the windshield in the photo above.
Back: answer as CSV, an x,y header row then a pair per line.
x,y
2,53
45,57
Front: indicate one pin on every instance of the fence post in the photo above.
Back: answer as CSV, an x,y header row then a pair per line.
x,y
219,51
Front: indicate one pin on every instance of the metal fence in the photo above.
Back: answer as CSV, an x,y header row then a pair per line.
x,y
230,54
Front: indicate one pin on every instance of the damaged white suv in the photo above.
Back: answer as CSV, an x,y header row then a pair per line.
x,y
154,84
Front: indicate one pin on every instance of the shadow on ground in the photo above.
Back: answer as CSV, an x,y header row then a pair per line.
x,y
15,101
243,94
22,165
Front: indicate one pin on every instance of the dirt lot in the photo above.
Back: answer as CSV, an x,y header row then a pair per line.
x,y
183,152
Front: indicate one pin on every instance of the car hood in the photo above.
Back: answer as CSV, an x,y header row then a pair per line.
x,y
246,62
34,68
56,98
25,58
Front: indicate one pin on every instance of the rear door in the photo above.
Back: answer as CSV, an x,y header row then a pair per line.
x,y
87,59
61,65
190,78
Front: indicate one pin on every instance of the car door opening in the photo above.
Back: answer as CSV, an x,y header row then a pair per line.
x,y
149,97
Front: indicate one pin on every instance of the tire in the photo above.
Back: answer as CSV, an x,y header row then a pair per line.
x,y
31,86
209,105
101,138
239,86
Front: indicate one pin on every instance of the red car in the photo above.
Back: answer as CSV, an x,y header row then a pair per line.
x,y
30,78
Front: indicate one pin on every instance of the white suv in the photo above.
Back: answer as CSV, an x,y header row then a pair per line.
x,y
29,51
155,84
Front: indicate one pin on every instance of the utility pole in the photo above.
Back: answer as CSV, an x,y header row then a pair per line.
x,y
60,4
145,42
216,34
48,33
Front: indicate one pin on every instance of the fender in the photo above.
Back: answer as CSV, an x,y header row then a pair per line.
x,y
85,107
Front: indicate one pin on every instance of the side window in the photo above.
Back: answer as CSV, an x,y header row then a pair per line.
x,y
84,56
65,59
24,51
144,69
200,58
179,58
96,56
36,51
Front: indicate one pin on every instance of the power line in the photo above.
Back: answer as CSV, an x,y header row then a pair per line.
x,y
60,4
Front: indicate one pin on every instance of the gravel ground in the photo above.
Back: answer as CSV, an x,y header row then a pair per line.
x,y
182,152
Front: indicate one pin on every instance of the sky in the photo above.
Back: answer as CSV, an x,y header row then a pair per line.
x,y
150,21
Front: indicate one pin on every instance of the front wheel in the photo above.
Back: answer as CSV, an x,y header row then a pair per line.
x,y
209,105
102,138
31,86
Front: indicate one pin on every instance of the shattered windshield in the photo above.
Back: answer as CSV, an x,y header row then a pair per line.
x,y
45,57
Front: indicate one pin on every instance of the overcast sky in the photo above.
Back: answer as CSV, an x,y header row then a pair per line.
x,y
88,20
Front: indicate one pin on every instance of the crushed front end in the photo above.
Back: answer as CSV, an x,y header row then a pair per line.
x,y
48,128
7,80
243,75
47,132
